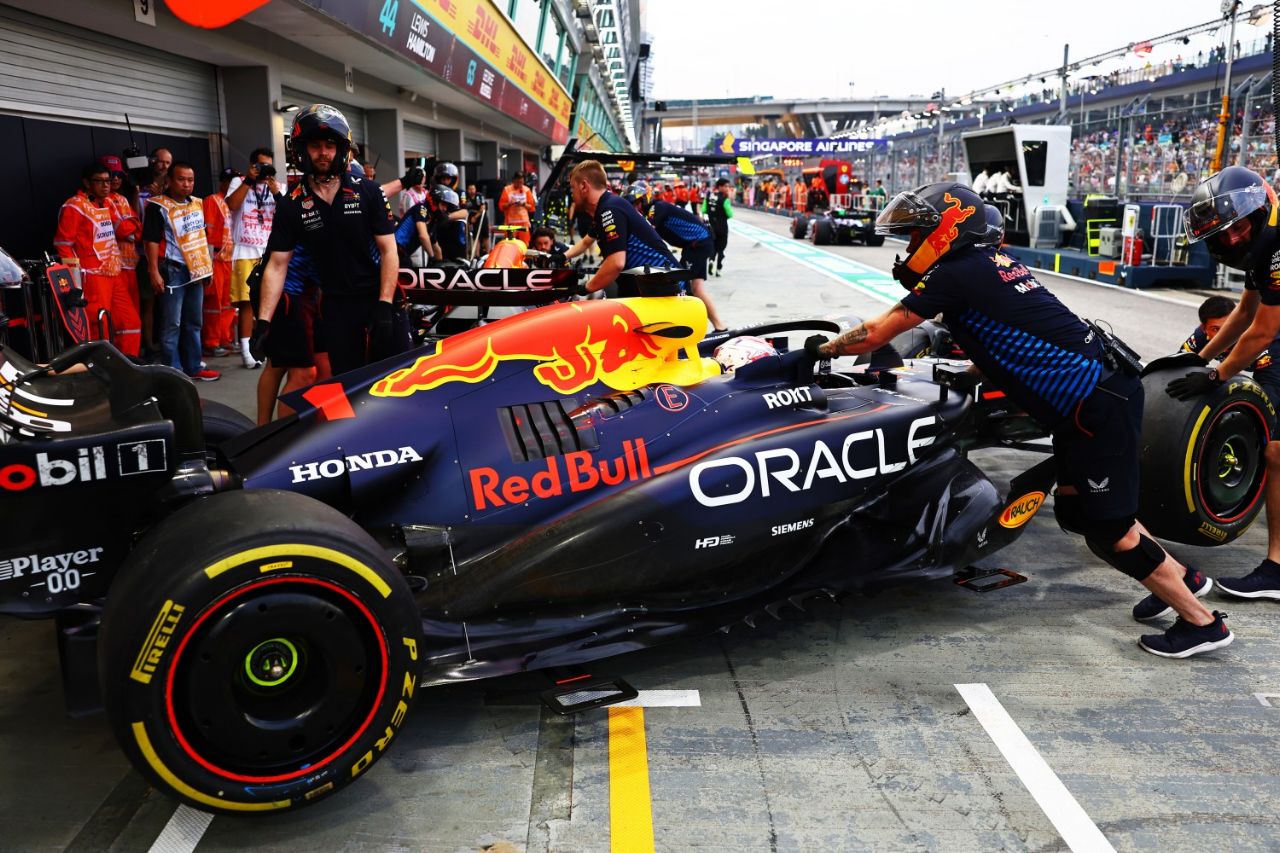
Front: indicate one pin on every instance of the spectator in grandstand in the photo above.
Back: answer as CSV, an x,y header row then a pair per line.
x,y
219,316
87,238
1234,213
178,262
252,202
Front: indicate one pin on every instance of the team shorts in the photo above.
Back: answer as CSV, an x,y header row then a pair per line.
x,y
240,270
292,339
1098,448
695,257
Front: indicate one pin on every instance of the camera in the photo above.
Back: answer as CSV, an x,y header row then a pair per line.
x,y
266,170
134,158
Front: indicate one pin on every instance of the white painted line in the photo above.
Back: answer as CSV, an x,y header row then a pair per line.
x,y
663,699
864,290
1265,698
1079,832
183,831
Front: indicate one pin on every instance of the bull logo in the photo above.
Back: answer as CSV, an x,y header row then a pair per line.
x,y
574,345
938,243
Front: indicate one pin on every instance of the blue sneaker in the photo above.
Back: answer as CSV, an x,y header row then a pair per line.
x,y
1184,639
1262,582
1153,607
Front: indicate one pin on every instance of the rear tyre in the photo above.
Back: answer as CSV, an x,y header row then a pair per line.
x,y
822,232
263,668
875,240
222,422
800,227
1203,465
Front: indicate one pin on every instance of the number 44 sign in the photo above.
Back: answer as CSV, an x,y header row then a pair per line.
x,y
142,457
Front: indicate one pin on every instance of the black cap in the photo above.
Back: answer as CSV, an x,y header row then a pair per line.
x,y
228,173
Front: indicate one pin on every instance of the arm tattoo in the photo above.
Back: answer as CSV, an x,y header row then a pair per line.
x,y
856,335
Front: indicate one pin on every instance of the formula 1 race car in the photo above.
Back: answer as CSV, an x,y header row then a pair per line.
x,y
561,486
842,227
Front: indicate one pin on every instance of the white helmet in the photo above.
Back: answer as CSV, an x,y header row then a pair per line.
x,y
741,350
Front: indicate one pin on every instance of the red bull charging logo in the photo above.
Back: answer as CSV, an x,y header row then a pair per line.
x,y
574,345
939,242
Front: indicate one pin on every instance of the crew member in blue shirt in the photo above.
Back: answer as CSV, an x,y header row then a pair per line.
x,y
680,228
1058,368
626,238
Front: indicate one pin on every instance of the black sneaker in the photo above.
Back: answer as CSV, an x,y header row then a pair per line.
x,y
1184,639
1153,607
1262,582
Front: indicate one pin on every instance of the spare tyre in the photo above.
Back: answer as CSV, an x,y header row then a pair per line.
x,y
1203,460
800,227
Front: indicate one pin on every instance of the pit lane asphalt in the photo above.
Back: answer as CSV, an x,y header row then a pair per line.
x,y
841,729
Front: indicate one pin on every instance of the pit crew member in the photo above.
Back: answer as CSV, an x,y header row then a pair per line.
x,y
680,228
719,211
626,238
347,227
1057,368
1235,213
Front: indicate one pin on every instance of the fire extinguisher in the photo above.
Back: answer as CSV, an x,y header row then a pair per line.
x,y
1134,257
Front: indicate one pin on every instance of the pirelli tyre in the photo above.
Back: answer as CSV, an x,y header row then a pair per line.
x,y
800,226
222,422
258,652
822,231
1203,465
874,239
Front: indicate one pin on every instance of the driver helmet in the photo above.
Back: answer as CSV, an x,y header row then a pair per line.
x,y
638,194
937,219
994,235
736,352
1218,205
445,173
319,121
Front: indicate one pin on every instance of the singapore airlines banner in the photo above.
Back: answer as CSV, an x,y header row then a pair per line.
x,y
798,147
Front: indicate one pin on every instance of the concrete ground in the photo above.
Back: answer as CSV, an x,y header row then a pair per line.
x,y
839,729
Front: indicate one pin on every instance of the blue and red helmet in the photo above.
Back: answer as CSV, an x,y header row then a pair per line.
x,y
319,121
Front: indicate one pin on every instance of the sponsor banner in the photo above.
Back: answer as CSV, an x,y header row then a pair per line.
x,y
809,147
472,46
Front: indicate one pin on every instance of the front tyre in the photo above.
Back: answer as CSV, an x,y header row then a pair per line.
x,y
262,667
1203,465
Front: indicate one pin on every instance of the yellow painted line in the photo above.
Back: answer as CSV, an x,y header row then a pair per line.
x,y
1057,261
1186,468
630,807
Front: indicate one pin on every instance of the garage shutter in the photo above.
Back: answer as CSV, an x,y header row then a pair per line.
x,y
354,115
470,151
55,70
419,140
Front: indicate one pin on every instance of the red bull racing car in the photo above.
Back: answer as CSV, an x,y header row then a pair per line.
x,y
568,484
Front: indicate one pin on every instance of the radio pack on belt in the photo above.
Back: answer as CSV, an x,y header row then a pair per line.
x,y
1116,354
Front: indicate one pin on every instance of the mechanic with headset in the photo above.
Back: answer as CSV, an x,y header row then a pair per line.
x,y
1072,377
1235,214
448,215
626,238
686,230
346,225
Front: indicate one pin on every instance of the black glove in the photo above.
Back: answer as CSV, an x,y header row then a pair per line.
x,y
558,259
258,340
412,178
380,330
811,347
1195,384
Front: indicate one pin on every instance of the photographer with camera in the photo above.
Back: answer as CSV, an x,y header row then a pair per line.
x,y
252,200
